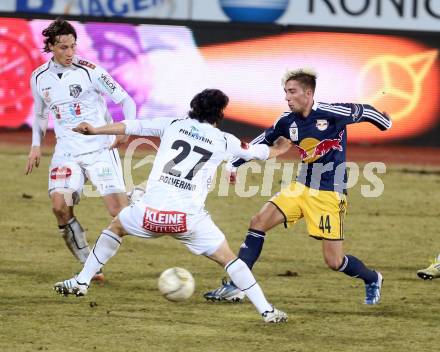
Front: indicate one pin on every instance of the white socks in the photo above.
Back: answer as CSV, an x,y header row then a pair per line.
x,y
105,247
245,281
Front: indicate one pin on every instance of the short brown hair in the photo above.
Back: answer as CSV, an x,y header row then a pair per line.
x,y
55,29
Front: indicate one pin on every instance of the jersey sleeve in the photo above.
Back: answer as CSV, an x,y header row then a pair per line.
x,y
41,115
267,137
106,84
245,151
151,127
346,114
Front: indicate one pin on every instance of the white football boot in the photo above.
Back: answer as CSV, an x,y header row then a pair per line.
x,y
71,287
274,316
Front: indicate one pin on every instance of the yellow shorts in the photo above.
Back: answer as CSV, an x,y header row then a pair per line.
x,y
323,211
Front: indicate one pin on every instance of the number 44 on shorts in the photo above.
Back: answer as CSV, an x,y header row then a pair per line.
x,y
324,224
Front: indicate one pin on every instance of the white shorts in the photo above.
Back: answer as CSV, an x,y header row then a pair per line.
x,y
202,236
103,168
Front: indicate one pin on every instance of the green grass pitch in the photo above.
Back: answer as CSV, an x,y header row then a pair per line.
x,y
396,233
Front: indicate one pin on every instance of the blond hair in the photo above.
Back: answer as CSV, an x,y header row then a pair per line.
x,y
305,76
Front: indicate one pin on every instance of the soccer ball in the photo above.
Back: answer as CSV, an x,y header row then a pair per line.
x,y
176,284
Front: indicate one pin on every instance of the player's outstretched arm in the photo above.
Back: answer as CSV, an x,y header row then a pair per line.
x,y
280,146
349,113
380,119
268,137
256,151
112,129
153,127
235,161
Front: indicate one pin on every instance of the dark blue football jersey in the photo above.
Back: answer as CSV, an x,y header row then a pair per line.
x,y
321,139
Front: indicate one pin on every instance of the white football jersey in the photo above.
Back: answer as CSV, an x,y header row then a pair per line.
x,y
187,159
74,94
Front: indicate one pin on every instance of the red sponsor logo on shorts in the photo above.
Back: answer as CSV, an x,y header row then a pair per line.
x,y
161,221
59,173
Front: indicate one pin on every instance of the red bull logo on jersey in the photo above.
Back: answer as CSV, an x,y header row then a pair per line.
x,y
310,149
161,221
60,173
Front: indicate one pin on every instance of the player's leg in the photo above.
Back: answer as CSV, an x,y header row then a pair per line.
x,y
267,218
106,246
66,180
103,168
245,281
128,221
62,211
353,267
282,208
69,227
240,274
324,212
115,202
205,238
348,264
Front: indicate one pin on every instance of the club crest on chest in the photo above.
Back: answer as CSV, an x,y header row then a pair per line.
x,y
321,125
75,90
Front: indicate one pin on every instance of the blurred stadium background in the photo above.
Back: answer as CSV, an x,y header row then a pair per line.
x,y
163,52
382,52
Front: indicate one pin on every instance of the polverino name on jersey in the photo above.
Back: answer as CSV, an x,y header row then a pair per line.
x,y
177,183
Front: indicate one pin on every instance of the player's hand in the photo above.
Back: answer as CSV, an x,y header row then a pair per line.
x,y
280,146
231,173
232,177
33,159
120,140
84,128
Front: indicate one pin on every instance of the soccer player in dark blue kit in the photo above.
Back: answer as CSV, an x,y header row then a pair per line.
x,y
318,130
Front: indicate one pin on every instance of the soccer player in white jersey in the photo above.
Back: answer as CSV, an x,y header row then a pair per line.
x,y
72,88
190,151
